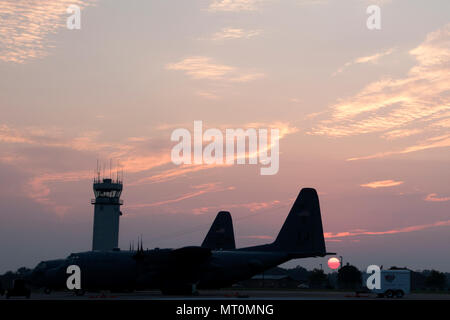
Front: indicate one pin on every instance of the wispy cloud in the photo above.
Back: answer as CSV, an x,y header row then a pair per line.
x,y
183,170
53,137
367,59
250,206
330,235
26,25
433,197
147,160
198,191
174,173
38,188
234,5
401,106
400,133
206,68
234,33
208,95
382,184
431,143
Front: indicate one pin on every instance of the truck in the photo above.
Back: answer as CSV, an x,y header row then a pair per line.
x,y
19,289
393,283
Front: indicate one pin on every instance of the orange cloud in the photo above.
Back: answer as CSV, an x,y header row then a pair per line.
x,y
400,133
434,198
198,67
134,157
382,184
234,33
330,235
26,26
367,59
435,142
402,106
234,5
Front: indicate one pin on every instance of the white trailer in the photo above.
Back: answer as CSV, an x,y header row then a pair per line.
x,y
393,283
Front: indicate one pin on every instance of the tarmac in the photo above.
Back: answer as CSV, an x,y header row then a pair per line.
x,y
241,295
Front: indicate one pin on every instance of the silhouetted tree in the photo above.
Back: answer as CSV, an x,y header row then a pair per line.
x,y
317,278
299,273
349,277
22,271
436,280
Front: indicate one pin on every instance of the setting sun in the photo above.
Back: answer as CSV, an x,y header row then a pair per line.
x,y
334,263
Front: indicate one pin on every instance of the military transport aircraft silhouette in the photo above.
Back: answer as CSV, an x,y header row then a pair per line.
x,y
219,237
186,269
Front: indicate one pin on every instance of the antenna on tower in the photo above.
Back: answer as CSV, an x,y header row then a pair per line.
x,y
117,171
98,171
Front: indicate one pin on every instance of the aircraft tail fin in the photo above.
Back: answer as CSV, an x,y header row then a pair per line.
x,y
221,235
302,232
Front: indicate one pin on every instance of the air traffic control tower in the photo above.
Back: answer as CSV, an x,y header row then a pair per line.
x,y
106,213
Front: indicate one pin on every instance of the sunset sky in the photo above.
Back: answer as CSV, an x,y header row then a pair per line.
x,y
364,117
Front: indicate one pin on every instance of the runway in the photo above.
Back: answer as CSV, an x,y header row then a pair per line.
x,y
240,295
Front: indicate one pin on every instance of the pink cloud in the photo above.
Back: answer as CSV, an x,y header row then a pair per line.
x,y
382,184
400,107
251,206
330,235
199,190
435,142
38,188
